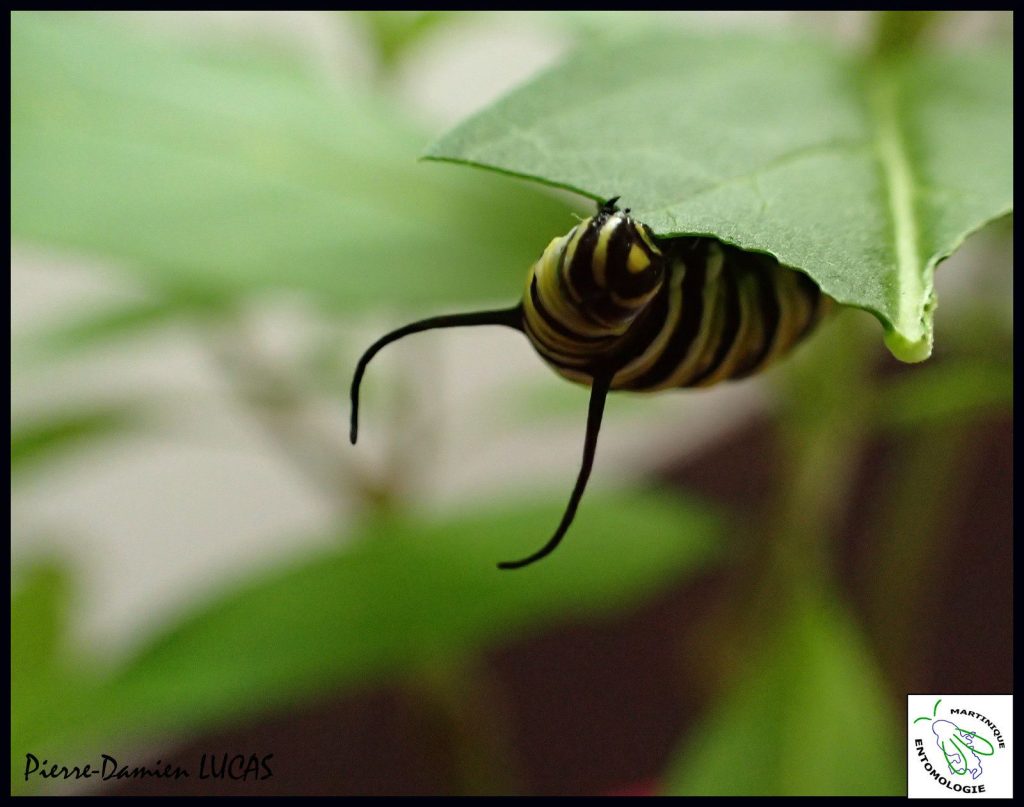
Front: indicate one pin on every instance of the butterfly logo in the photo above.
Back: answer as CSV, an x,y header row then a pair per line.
x,y
962,749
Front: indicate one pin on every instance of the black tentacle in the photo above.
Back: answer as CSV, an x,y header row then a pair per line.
x,y
598,395
510,317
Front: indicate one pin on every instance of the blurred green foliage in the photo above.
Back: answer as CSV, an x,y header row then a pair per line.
x,y
223,176
810,715
47,435
407,593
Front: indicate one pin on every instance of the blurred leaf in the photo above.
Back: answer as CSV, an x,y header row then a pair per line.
x,y
221,175
50,435
946,391
591,27
45,683
906,535
38,613
810,717
121,321
404,594
394,31
864,174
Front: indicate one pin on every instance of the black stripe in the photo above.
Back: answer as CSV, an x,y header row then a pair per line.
x,y
809,289
609,311
552,321
581,270
689,322
731,327
560,270
601,304
763,269
638,283
567,295
615,272
644,331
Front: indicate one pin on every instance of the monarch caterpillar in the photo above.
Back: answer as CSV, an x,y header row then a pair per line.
x,y
611,306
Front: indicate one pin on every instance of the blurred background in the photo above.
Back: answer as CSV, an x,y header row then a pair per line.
x,y
213,214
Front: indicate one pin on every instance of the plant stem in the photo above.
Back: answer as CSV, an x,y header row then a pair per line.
x,y
467,707
897,32
279,404
903,534
825,408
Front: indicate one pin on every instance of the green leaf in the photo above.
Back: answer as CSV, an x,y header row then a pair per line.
x,y
394,31
38,615
862,173
404,594
120,321
227,172
46,436
46,682
810,717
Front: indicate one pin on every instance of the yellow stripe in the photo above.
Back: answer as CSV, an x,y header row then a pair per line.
x,y
540,332
554,356
550,292
635,302
557,360
713,320
797,314
539,268
553,352
646,360
561,346
572,241
563,310
608,329
825,306
572,375
804,307
637,260
746,288
600,259
788,297
754,343
647,239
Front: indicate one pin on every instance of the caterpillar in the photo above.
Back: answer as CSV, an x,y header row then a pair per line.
x,y
611,306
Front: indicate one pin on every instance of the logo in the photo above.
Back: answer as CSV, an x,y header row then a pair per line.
x,y
959,746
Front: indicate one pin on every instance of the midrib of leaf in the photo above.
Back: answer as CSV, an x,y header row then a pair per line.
x,y
912,282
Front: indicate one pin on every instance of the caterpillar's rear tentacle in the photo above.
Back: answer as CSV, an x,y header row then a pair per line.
x,y
598,394
510,317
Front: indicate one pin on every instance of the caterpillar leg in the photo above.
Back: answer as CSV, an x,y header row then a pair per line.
x,y
510,317
598,395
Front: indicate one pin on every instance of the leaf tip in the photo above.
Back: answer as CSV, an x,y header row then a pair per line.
x,y
914,345
908,349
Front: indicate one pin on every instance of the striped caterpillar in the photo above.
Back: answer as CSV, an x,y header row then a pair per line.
x,y
611,306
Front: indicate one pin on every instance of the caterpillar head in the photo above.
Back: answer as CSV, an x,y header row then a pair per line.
x,y
608,265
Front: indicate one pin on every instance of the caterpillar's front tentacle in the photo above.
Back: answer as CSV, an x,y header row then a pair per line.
x,y
510,317
598,394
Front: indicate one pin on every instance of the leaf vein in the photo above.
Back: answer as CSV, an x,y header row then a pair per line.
x,y
898,175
